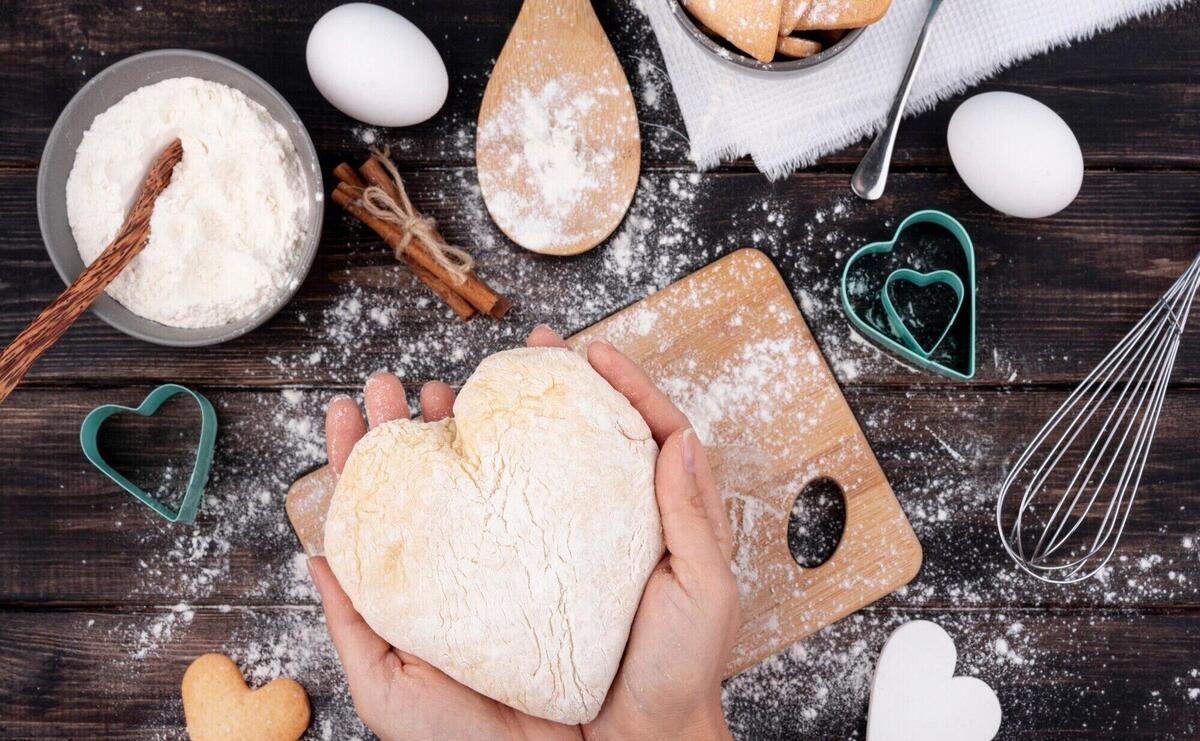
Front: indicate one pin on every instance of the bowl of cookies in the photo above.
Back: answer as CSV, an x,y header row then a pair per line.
x,y
776,37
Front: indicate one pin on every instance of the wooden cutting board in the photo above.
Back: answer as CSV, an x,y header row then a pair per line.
x,y
729,345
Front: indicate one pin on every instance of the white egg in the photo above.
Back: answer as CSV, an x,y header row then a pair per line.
x,y
1016,154
374,65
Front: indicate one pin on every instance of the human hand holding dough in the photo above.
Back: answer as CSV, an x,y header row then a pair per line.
x,y
508,545
681,637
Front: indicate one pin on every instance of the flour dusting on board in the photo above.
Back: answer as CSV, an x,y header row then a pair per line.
x,y
220,584
242,549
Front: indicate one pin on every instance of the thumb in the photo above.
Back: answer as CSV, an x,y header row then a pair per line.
x,y
687,527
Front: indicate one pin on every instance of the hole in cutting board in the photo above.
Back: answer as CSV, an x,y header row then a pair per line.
x,y
817,522
157,453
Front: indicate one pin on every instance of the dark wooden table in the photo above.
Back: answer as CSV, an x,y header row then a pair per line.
x,y
102,606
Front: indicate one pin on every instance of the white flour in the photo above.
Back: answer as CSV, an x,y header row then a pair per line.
x,y
226,232
563,165
243,552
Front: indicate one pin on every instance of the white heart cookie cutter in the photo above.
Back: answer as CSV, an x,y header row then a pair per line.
x,y
916,697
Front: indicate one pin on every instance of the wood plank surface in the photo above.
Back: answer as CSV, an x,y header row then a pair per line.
x,y
1108,675
684,337
72,537
1054,294
1114,90
102,605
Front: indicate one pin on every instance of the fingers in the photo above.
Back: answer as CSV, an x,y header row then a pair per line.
x,y
683,505
383,395
344,426
625,376
437,398
437,401
361,649
543,336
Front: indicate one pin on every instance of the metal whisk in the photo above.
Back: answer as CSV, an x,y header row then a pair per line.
x,y
1067,533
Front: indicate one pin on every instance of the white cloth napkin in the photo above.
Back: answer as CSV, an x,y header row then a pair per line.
x,y
790,123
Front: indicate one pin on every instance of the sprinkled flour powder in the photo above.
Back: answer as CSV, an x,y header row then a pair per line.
x,y
559,161
236,582
826,12
225,234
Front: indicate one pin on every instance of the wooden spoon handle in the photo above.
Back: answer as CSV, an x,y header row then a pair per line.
x,y
44,331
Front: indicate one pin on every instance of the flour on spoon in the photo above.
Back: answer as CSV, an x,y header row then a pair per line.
x,y
546,184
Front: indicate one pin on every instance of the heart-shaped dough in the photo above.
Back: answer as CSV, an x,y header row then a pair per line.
x,y
219,706
916,696
509,545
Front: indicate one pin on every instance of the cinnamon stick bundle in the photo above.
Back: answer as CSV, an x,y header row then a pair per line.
x,y
465,294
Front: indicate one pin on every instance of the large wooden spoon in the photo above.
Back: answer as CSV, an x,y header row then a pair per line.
x,y
54,320
557,146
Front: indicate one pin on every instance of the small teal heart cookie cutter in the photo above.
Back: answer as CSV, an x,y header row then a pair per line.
x,y
904,344
204,450
922,280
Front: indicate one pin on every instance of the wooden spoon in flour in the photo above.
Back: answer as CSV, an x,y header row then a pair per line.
x,y
54,320
557,146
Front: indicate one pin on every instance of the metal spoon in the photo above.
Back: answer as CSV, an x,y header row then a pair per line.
x,y
870,179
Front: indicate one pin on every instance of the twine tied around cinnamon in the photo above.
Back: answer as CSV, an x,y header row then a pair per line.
x,y
401,212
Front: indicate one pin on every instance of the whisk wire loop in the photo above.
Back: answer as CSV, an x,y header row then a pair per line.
x,y
1118,404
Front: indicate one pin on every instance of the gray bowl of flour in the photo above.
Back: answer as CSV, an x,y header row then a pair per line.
x,y
99,95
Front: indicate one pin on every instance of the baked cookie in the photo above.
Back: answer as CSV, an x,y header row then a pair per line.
x,y
798,48
218,706
750,25
806,15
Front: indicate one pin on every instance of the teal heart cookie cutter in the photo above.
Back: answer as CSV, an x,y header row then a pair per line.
x,y
921,280
904,344
92,423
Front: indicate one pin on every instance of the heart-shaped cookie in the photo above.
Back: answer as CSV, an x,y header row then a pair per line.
x,y
916,696
219,706
509,545
907,347
90,430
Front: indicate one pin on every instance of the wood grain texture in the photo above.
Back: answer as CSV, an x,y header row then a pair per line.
x,y
58,512
85,571
68,673
1131,96
55,319
734,323
762,464
557,52
1054,294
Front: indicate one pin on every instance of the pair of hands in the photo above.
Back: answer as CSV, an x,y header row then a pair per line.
x,y
668,685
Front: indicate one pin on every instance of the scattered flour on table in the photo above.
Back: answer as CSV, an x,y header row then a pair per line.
x,y
935,442
935,446
225,235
